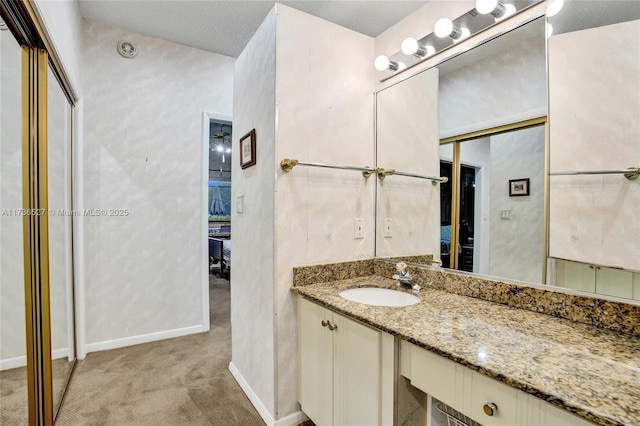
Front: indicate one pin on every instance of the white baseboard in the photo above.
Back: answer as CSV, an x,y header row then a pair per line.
x,y
262,410
293,419
142,338
21,361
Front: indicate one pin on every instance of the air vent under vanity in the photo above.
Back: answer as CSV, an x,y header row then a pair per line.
x,y
453,417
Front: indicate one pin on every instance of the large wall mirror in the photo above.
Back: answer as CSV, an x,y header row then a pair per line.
x,y
493,123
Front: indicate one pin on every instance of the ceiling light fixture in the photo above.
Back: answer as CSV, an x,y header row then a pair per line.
x,y
445,28
410,46
458,29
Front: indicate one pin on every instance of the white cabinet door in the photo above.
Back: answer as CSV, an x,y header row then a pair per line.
x,y
346,369
316,363
356,373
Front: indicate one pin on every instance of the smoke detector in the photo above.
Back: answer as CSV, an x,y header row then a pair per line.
x,y
127,49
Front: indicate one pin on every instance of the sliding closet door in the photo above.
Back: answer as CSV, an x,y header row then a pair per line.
x,y
36,281
13,360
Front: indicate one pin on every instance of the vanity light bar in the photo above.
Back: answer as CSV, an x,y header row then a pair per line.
x,y
448,32
631,173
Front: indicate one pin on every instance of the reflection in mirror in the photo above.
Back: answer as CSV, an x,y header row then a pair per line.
x,y
60,258
594,105
481,92
484,93
13,375
407,140
500,224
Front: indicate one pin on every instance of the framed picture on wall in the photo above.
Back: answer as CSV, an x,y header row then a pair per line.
x,y
518,187
248,149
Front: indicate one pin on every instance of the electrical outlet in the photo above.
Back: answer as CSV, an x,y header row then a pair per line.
x,y
358,228
387,228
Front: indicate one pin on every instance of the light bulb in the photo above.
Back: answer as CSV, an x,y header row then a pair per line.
x,y
549,29
463,33
381,63
509,10
495,8
443,28
429,50
228,150
219,148
486,6
409,46
401,66
554,8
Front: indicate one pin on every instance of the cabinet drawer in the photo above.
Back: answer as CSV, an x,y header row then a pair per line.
x,y
464,389
501,401
435,375
467,391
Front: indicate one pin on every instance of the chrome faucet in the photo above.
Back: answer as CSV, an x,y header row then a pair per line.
x,y
403,277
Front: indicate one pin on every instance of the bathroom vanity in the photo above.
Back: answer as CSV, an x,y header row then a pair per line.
x,y
496,364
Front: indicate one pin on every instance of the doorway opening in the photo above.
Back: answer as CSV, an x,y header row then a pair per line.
x,y
219,197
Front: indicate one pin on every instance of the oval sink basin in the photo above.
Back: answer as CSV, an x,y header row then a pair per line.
x,y
379,296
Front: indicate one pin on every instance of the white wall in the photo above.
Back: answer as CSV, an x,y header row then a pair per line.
x,y
594,219
516,244
288,87
324,98
143,153
252,239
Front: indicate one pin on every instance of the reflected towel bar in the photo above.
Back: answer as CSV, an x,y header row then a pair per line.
x,y
434,180
288,164
631,173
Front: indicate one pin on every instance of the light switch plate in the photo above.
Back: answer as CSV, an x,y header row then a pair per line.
x,y
240,204
387,228
358,228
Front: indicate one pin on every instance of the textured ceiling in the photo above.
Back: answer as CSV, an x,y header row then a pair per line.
x,y
225,27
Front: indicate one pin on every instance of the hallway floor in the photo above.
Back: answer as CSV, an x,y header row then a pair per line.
x,y
182,381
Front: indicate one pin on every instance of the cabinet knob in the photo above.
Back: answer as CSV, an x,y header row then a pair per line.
x,y
490,408
324,323
333,326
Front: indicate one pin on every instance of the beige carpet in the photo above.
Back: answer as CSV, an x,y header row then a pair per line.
x,y
13,391
182,381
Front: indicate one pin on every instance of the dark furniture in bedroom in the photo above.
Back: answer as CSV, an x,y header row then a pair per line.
x,y
217,258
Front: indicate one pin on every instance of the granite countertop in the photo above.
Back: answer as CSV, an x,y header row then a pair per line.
x,y
589,371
